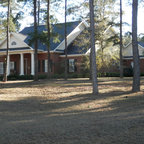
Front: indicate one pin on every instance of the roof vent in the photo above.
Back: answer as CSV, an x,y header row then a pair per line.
x,y
13,43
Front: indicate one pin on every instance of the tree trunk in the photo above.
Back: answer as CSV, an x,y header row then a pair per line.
x,y
8,42
48,45
136,70
66,59
35,42
39,4
90,60
94,70
121,42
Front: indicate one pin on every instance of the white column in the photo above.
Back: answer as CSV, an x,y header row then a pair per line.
x,y
22,64
8,65
32,63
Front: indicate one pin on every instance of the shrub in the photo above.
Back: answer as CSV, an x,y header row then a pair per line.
x,y
128,72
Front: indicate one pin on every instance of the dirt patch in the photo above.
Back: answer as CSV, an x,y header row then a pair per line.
x,y
65,112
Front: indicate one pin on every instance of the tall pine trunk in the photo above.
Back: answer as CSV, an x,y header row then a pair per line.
x,y
93,56
121,42
66,59
136,70
48,44
39,5
35,42
8,43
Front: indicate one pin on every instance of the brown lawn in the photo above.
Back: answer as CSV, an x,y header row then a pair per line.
x,y
65,112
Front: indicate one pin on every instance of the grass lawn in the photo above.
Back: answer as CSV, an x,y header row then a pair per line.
x,y
65,112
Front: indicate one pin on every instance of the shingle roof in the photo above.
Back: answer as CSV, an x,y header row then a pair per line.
x,y
141,44
57,29
16,49
80,45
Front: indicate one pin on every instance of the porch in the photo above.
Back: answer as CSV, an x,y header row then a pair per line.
x,y
19,64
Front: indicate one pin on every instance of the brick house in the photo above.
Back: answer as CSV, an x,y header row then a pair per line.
x,y
21,54
128,56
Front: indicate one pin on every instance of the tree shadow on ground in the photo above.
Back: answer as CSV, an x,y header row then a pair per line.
x,y
111,117
60,82
36,120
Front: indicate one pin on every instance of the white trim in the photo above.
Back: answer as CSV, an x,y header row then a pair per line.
x,y
107,29
18,38
131,58
131,44
16,52
74,55
71,37
125,46
50,52
21,64
140,46
46,65
8,65
32,64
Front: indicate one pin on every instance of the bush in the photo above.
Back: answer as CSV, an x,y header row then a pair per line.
x,y
44,76
128,72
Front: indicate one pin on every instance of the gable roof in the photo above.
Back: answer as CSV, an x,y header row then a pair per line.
x,y
80,45
128,52
141,44
19,45
57,29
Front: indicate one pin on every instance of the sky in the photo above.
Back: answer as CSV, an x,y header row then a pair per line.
x,y
127,17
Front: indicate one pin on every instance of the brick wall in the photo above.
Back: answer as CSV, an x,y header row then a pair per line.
x,y
78,62
127,64
57,62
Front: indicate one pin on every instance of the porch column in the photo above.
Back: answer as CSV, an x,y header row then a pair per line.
x,y
32,63
21,64
8,65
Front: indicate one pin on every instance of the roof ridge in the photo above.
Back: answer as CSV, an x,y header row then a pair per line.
x,y
52,24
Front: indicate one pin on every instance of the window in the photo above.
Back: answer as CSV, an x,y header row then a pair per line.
x,y
1,67
71,65
46,65
132,64
13,43
12,65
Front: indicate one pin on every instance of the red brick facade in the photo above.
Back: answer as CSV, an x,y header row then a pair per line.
x,y
128,64
57,63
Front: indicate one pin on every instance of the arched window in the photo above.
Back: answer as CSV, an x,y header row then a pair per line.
x,y
13,43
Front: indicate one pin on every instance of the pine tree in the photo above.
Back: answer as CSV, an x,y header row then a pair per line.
x,y
93,52
65,30
121,42
8,41
136,77
36,41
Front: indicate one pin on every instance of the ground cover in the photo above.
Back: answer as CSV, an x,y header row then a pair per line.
x,y
65,112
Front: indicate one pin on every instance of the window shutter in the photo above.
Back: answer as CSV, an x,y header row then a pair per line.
x,y
1,68
39,65
15,66
68,65
43,65
75,65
